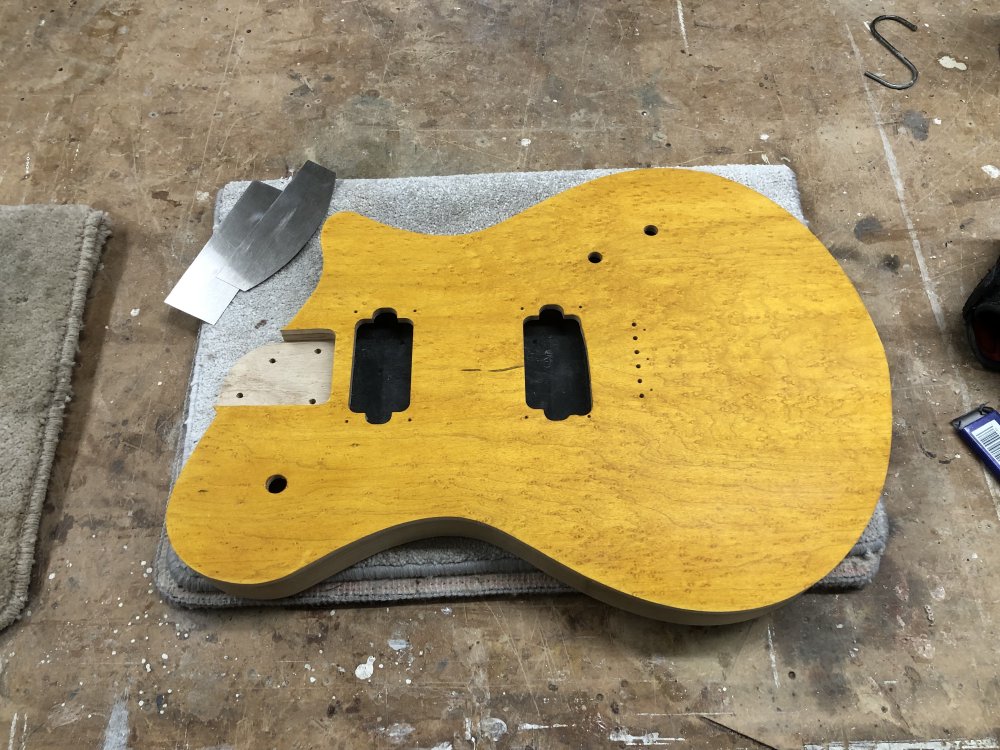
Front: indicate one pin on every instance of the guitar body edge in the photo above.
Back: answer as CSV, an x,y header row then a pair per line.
x,y
351,554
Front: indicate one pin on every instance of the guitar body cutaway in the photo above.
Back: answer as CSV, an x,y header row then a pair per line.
x,y
709,421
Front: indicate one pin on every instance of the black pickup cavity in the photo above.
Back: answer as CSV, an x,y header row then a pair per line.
x,y
556,370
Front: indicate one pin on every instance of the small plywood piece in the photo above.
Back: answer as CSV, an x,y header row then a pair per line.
x,y
289,372
737,444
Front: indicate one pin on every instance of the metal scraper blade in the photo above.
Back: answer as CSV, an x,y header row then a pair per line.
x,y
199,292
285,228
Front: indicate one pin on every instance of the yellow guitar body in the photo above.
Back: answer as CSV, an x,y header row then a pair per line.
x,y
735,448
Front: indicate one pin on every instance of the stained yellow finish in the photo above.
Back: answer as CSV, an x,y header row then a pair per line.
x,y
739,471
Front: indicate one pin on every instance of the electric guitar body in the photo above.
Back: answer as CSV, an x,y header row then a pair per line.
x,y
658,387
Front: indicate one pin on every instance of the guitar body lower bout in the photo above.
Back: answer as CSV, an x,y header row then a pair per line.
x,y
721,450
362,549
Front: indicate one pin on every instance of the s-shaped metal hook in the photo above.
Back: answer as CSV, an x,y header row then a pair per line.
x,y
895,52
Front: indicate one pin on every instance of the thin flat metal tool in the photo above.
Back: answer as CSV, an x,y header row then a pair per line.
x,y
286,227
199,292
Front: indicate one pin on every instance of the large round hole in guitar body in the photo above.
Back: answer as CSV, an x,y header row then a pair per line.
x,y
276,483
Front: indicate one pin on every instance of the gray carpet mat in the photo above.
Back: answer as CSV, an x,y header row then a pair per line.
x,y
443,568
49,253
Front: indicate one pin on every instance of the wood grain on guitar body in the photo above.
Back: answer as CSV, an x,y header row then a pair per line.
x,y
728,451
